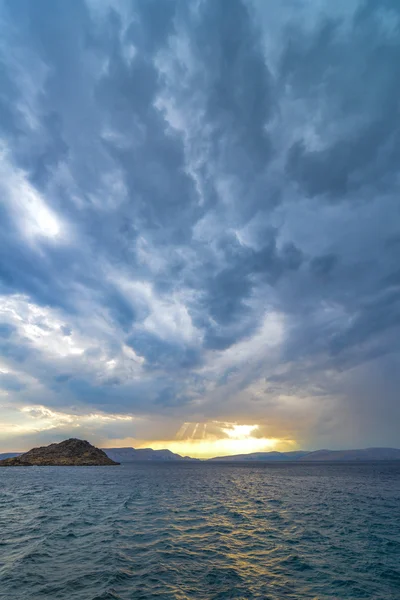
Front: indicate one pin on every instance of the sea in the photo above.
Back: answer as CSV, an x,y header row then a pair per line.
x,y
188,530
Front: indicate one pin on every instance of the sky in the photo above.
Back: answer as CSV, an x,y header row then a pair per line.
x,y
200,224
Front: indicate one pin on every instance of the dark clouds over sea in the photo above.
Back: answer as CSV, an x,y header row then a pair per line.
x,y
199,218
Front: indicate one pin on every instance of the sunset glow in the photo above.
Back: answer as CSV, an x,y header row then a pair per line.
x,y
206,440
221,447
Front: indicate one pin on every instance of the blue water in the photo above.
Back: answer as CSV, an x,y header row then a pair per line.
x,y
196,531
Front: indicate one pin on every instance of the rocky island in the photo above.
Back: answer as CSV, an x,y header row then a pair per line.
x,y
71,452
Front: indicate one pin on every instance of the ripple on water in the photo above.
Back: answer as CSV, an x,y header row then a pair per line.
x,y
200,531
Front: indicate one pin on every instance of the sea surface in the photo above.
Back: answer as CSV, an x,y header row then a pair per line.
x,y
196,530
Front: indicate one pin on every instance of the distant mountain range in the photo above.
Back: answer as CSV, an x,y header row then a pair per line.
x,y
9,455
263,456
130,455
316,455
366,454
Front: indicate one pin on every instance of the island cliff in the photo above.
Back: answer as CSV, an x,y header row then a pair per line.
x,y
71,452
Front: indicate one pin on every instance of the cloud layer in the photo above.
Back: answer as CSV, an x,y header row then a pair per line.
x,y
199,221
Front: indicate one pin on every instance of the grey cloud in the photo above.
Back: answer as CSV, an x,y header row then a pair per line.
x,y
6,330
62,378
322,266
358,93
203,188
10,383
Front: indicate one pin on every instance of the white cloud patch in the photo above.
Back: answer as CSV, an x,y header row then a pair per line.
x,y
37,418
33,217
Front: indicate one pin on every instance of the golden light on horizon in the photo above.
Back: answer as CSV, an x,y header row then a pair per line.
x,y
210,449
224,439
238,432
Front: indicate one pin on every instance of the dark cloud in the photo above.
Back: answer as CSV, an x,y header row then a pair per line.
x,y
10,383
236,112
322,266
199,214
362,89
161,353
62,378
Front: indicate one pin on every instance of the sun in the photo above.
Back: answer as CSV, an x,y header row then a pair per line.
x,y
225,439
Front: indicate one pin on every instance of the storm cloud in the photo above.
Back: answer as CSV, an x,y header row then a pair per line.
x,y
199,219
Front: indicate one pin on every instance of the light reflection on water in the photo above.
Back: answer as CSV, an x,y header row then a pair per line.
x,y
195,530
